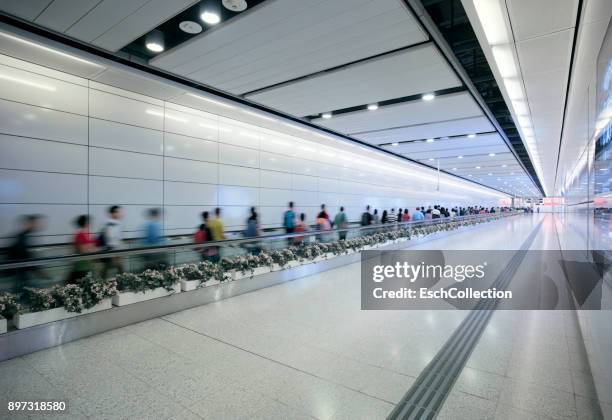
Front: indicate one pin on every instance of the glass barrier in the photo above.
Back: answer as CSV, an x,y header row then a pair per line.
x,y
79,282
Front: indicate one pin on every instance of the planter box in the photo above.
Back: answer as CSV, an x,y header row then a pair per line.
x,y
189,285
56,314
127,298
211,282
290,264
237,275
2,325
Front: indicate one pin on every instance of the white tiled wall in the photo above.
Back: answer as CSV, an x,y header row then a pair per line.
x,y
71,146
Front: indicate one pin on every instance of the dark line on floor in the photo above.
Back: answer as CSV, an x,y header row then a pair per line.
x,y
428,393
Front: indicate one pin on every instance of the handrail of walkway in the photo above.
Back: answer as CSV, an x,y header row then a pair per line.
x,y
37,262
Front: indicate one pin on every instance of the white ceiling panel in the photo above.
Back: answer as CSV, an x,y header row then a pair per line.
x,y
555,47
428,130
413,71
532,19
545,84
62,14
101,18
109,24
447,107
282,40
140,22
546,91
25,9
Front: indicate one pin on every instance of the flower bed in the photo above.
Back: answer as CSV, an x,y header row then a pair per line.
x,y
90,294
8,308
150,284
30,319
128,298
194,276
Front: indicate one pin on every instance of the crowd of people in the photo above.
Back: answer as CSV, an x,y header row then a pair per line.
x,y
110,236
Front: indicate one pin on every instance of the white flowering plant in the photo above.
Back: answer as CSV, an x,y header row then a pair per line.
x,y
8,305
129,282
213,271
95,289
265,259
39,299
190,272
170,277
242,263
69,296
283,257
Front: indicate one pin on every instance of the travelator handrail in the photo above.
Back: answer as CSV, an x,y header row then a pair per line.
x,y
37,262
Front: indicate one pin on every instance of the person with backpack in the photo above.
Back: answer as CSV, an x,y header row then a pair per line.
x,y
252,231
21,249
153,237
341,223
406,216
203,235
289,221
366,217
300,227
83,243
323,223
111,239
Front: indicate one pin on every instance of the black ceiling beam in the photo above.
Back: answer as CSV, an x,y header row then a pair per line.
x,y
394,101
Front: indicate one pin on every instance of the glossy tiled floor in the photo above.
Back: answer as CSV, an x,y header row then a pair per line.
x,y
304,349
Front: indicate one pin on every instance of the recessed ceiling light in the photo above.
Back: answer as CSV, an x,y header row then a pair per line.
x,y
373,107
155,47
491,154
326,115
504,165
477,167
469,174
489,174
210,18
395,144
428,96
454,169
459,157
190,27
235,5
429,140
471,136
431,159
155,41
